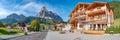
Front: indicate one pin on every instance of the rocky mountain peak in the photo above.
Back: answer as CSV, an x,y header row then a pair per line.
x,y
44,8
44,13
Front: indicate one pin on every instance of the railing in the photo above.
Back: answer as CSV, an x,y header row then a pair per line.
x,y
94,10
100,18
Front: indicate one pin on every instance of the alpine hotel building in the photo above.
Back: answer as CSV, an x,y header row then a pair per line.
x,y
92,17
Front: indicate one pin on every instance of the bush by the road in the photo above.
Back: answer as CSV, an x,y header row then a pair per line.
x,y
34,26
42,26
7,31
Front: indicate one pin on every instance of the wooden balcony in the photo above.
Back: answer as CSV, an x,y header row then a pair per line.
x,y
101,21
81,16
93,13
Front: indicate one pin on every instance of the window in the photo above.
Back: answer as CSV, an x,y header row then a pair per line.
x,y
103,16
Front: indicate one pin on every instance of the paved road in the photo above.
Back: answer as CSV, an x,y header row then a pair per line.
x,y
34,36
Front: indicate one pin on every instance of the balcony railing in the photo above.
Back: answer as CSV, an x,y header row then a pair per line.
x,y
82,16
96,11
93,13
96,19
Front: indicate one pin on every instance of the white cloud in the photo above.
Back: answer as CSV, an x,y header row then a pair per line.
x,y
4,13
35,7
32,7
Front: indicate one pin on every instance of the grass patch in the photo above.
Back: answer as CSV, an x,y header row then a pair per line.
x,y
117,22
115,28
7,31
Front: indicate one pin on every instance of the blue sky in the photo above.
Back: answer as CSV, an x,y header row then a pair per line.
x,y
32,7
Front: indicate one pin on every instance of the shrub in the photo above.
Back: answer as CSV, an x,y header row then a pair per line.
x,y
43,26
6,25
7,31
14,25
34,26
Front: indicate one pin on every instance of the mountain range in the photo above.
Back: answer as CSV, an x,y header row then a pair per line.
x,y
44,17
12,18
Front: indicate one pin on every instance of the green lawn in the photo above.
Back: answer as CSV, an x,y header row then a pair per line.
x,y
7,31
114,28
117,22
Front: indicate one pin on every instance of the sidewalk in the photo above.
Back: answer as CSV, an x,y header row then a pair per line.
x,y
52,35
12,36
